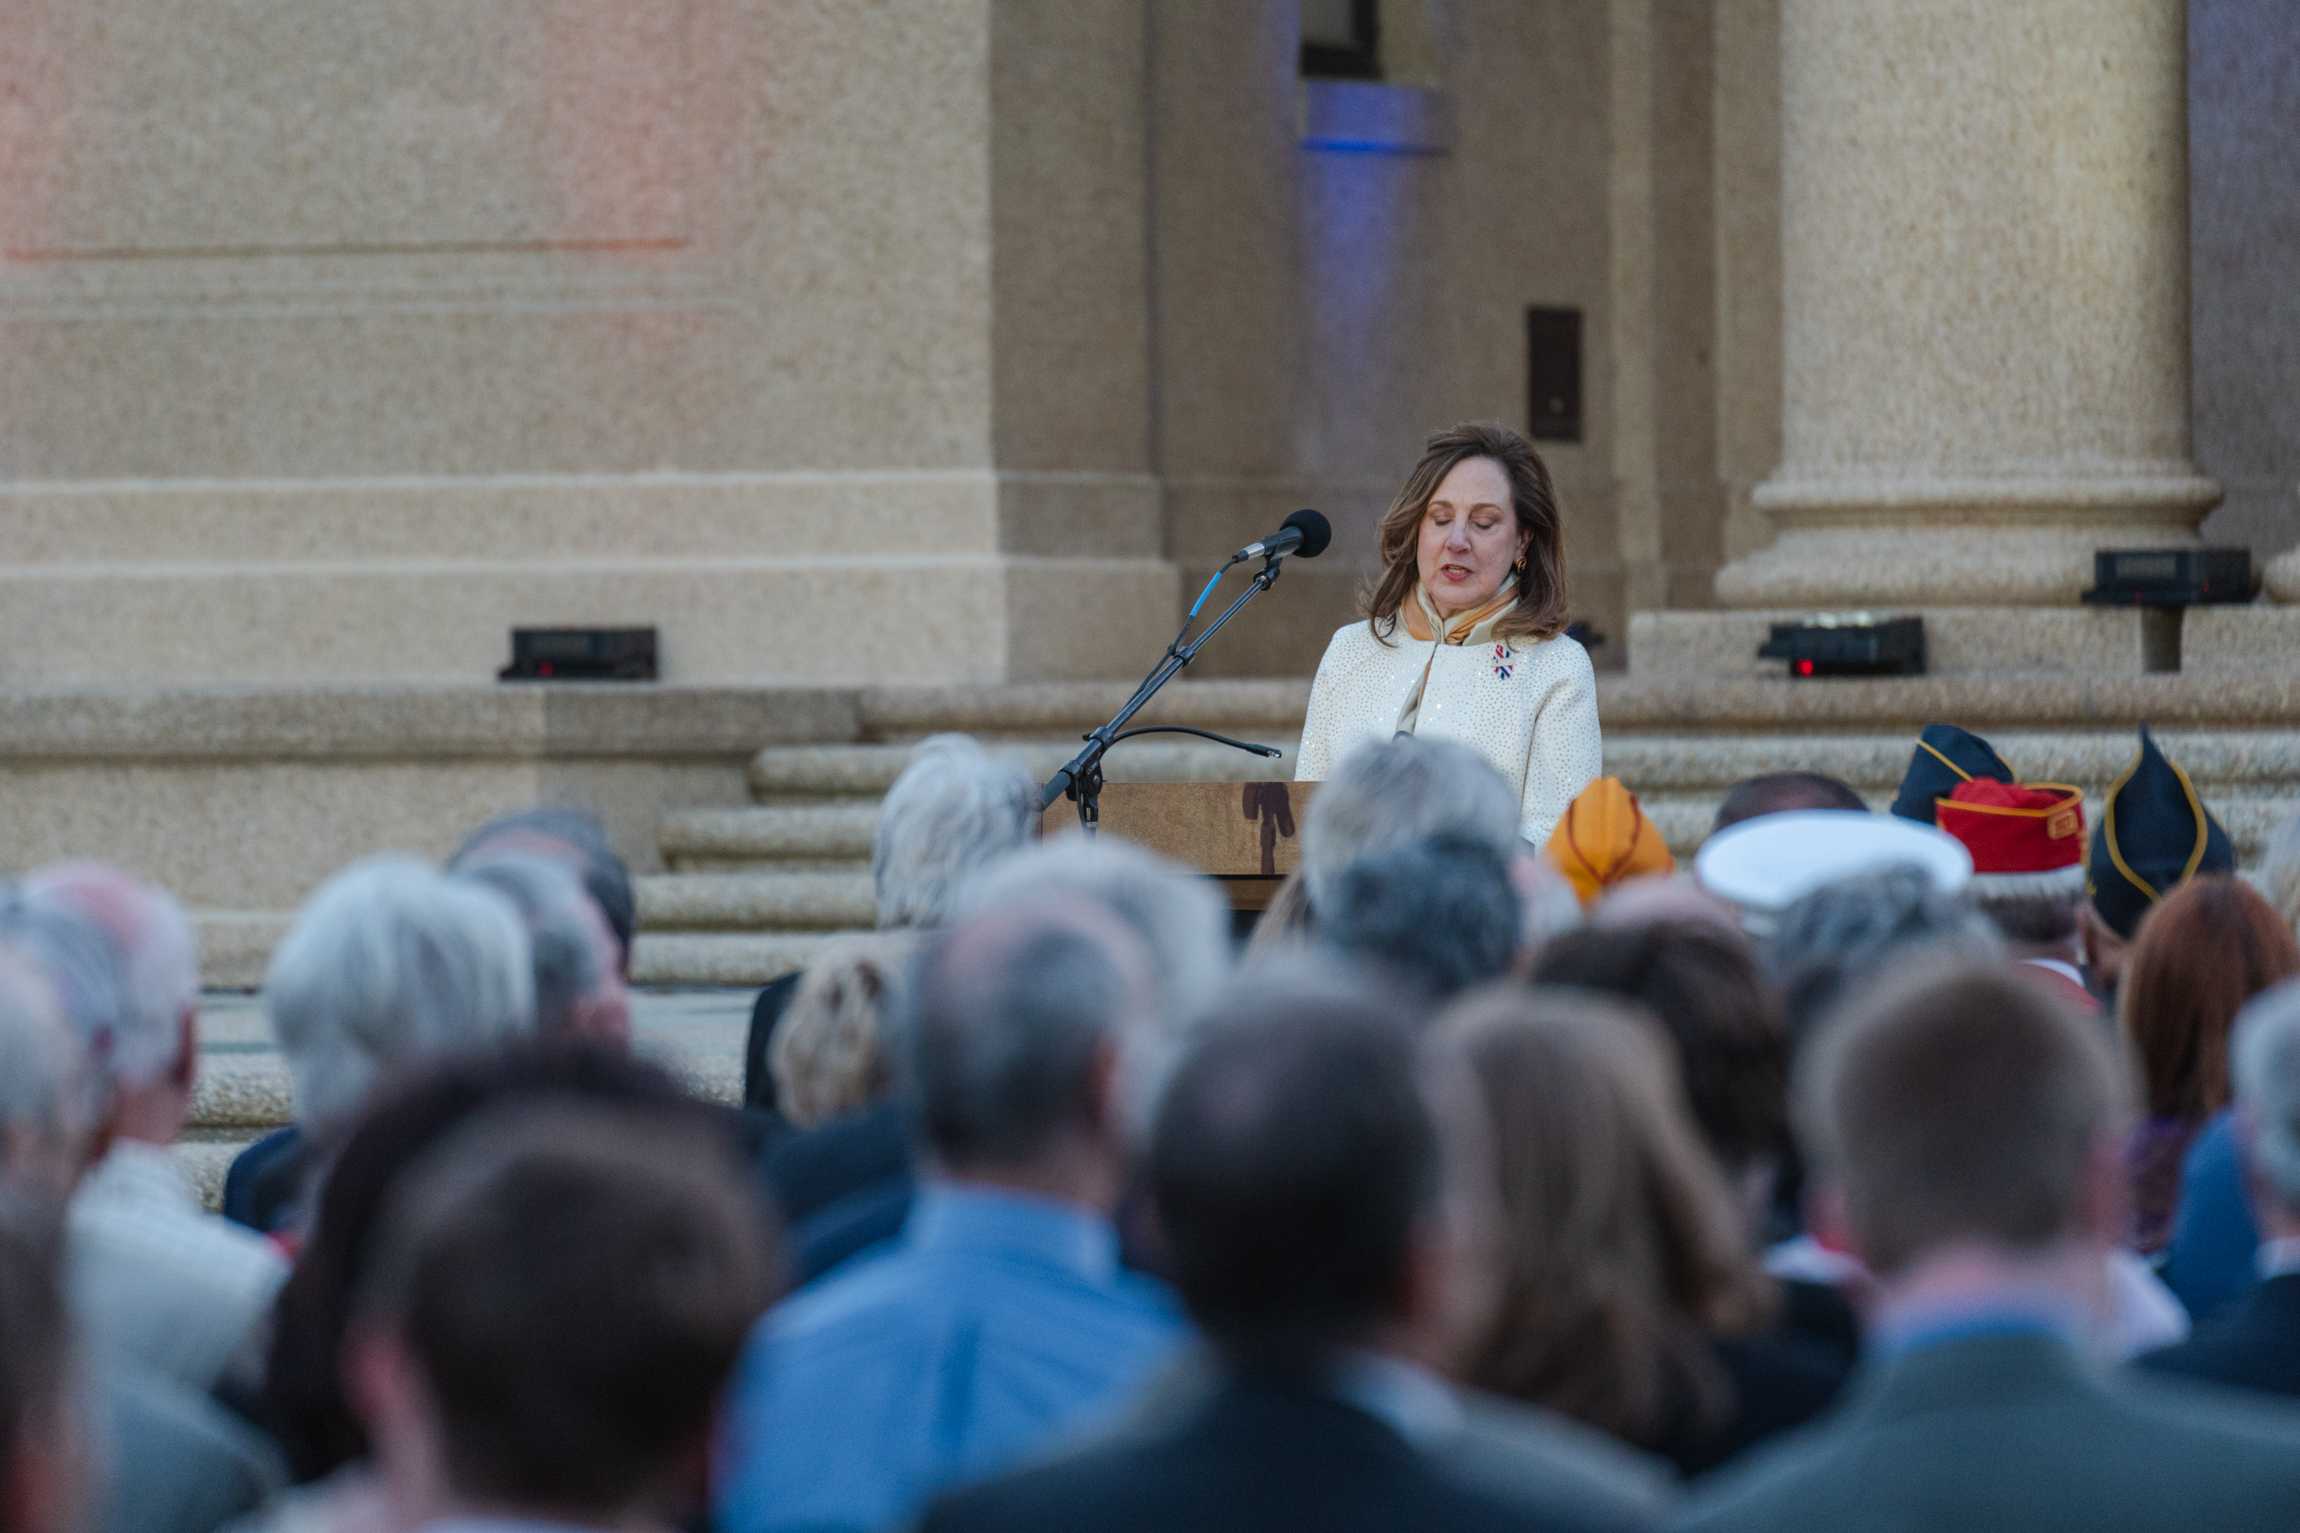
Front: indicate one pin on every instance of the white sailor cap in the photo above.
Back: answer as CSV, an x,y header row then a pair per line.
x,y
1763,866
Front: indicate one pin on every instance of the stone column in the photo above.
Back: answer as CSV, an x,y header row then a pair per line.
x,y
1985,296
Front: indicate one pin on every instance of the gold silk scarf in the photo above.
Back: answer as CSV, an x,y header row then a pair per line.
x,y
1424,623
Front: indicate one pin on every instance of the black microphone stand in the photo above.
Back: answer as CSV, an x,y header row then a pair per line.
x,y
1081,779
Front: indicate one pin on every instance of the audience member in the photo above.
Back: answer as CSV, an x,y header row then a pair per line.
x,y
2209,947
1946,758
165,1459
1965,1127
954,810
1765,866
389,963
1834,946
1397,792
1605,840
1000,1322
1441,915
579,988
1678,899
575,838
2212,1258
1326,1195
835,1052
1781,793
1631,1298
843,1180
2154,835
49,1097
304,1402
153,1277
2027,841
45,1481
1285,923
557,1300
2256,1345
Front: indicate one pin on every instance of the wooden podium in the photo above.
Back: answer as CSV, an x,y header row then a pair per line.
x,y
1244,835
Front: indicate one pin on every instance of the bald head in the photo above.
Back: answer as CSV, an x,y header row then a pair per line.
x,y
1022,1014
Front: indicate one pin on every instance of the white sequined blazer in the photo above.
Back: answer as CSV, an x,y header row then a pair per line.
x,y
1530,709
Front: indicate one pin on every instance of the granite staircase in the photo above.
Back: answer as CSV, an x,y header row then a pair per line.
x,y
751,892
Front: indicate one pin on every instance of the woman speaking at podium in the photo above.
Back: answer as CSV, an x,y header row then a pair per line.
x,y
1464,632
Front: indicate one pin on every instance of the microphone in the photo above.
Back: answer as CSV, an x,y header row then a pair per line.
x,y
1305,533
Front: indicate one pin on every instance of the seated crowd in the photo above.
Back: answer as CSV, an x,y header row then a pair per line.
x,y
1932,1169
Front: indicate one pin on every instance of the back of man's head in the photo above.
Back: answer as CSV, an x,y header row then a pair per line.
x,y
1174,913
1440,914
42,1462
2265,1062
1779,792
48,1100
573,836
1022,1019
155,958
955,810
1961,1105
1295,1163
559,1298
1393,792
1837,937
393,961
578,990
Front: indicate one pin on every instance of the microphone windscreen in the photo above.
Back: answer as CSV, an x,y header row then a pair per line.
x,y
1317,532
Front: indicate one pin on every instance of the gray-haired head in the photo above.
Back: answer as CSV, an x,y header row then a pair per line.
x,y
1397,791
2265,1064
1846,933
1020,1013
393,961
1439,914
48,1094
79,966
568,941
1173,912
155,958
955,810
576,837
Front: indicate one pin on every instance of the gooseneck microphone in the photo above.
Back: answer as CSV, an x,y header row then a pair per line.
x,y
1304,534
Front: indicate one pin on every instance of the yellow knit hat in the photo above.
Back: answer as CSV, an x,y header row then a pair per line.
x,y
1605,839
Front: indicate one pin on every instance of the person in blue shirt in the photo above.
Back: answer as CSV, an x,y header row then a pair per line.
x,y
1000,1323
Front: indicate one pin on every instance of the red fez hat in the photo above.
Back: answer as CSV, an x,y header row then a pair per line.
x,y
2024,837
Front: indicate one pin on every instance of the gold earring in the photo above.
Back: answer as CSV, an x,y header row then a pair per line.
x,y
1521,564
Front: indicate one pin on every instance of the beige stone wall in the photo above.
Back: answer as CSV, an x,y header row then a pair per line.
x,y
2244,219
694,303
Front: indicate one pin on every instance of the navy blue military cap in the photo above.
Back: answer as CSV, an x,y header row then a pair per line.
x,y
2154,835
1945,756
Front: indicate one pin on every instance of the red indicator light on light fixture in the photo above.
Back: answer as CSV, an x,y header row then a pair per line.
x,y
1804,667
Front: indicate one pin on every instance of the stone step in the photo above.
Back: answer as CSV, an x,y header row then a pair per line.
x,y
795,773
1071,708
2218,759
778,901
838,830
723,958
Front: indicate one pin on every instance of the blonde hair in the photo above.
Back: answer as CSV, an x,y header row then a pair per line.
x,y
1540,611
832,1053
1622,1249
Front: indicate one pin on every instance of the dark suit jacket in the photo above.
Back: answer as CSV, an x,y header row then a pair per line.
x,y
2254,1346
2000,1432
843,1186
172,1462
1258,1457
265,1180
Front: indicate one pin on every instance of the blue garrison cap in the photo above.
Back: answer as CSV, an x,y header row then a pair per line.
x,y
1945,756
2154,835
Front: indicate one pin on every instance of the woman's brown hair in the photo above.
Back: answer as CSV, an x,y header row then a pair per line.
x,y
1622,1251
1540,611
2212,945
